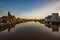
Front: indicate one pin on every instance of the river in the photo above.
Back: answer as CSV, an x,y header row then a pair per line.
x,y
29,31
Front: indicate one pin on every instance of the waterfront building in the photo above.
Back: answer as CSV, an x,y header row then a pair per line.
x,y
47,19
0,20
9,18
55,17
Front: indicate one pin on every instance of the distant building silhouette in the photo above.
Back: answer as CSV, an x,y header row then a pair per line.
x,y
9,18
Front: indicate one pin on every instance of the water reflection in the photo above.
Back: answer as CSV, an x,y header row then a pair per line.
x,y
9,27
54,27
27,31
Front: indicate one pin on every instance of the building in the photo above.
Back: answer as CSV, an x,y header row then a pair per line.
x,y
0,20
55,17
47,19
9,18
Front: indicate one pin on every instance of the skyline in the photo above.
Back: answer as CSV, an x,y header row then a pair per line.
x,y
29,8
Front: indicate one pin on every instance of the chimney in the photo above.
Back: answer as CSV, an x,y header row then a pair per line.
x,y
9,13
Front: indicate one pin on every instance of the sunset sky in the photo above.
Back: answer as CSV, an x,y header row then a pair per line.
x,y
29,8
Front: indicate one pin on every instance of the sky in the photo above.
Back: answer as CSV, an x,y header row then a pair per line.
x,y
36,9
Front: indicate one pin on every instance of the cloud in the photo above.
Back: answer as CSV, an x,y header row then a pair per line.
x,y
49,8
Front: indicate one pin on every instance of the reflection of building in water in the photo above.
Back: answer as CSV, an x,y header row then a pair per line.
x,y
54,27
49,26
9,27
9,18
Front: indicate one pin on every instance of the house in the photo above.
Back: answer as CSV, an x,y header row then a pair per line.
x,y
55,17
47,19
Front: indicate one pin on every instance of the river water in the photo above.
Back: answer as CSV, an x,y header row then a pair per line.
x,y
29,31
